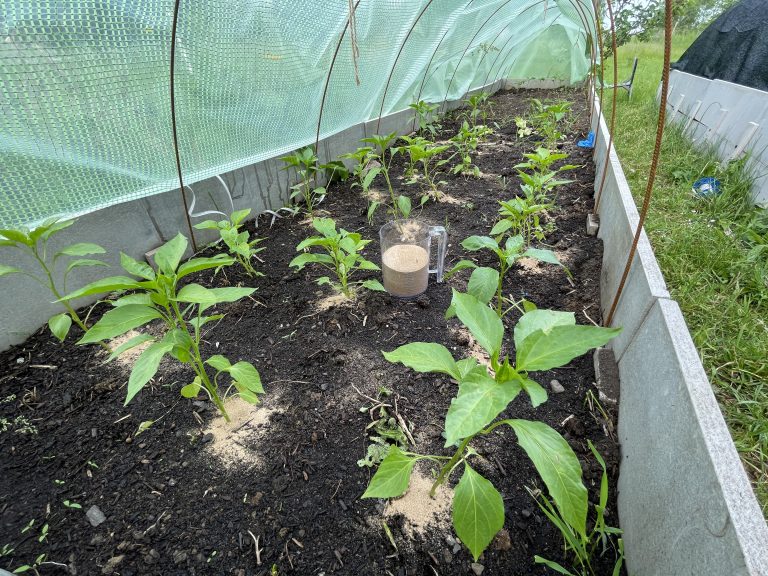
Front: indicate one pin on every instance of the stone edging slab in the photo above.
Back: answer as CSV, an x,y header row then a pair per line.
x,y
685,503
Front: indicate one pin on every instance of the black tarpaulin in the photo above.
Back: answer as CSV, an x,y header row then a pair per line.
x,y
733,48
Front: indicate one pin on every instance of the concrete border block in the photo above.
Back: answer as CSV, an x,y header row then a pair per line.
x,y
618,221
685,502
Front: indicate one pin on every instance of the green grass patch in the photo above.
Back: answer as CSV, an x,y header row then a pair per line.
x,y
712,253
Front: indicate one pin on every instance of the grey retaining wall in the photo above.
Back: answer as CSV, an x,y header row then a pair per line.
x,y
685,503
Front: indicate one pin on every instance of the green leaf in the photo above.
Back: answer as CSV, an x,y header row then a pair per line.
x,y
17,236
500,227
315,241
535,391
191,390
245,374
197,294
478,511
374,285
542,255
480,242
239,215
469,366
541,320
326,226
144,426
207,225
168,256
558,467
479,401
118,321
552,565
131,343
425,357
146,367
369,176
60,325
541,350
203,320
393,476
364,264
309,258
8,270
56,228
132,266
138,298
84,262
483,284
404,205
104,285
482,322
197,264
80,249
219,363
246,394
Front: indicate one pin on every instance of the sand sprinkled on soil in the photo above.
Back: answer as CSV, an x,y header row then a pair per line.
x,y
418,509
129,356
238,442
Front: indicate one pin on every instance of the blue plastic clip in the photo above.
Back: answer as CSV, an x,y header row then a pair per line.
x,y
589,142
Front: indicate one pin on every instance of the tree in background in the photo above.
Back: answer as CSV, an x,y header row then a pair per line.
x,y
642,19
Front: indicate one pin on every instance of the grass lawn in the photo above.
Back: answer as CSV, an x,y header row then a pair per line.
x,y
709,265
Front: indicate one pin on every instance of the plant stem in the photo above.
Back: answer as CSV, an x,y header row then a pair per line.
x,y
70,310
198,365
445,470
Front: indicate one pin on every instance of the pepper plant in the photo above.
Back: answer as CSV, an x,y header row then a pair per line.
x,y
423,155
521,217
156,295
542,177
400,206
342,257
305,163
544,339
466,142
583,545
523,128
241,247
424,112
485,282
547,118
34,243
479,107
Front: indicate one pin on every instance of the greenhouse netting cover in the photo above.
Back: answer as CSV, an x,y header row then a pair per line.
x,y
86,116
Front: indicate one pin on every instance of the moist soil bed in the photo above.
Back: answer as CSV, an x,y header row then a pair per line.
x,y
184,496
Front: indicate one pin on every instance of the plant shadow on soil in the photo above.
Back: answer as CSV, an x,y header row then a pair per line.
x,y
175,503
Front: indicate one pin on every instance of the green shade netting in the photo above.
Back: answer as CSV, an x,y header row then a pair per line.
x,y
84,84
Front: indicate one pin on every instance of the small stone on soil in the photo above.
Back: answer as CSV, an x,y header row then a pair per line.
x,y
447,556
95,516
502,541
557,388
112,564
477,568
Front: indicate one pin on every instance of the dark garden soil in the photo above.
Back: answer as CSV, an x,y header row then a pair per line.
x,y
175,504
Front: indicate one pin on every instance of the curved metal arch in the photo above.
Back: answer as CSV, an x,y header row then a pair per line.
x,y
573,2
431,58
328,79
612,125
518,56
172,86
450,82
394,64
504,47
